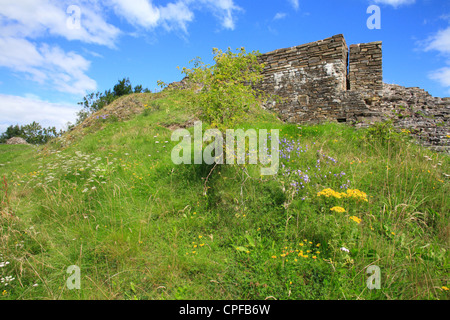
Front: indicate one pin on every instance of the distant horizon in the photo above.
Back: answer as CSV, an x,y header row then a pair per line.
x,y
53,53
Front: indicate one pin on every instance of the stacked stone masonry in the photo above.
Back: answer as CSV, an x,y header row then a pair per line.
x,y
365,66
328,81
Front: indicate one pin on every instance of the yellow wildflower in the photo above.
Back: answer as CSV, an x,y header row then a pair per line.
x,y
355,194
356,219
329,193
337,209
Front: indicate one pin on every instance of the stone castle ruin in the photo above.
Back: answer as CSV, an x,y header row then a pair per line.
x,y
328,81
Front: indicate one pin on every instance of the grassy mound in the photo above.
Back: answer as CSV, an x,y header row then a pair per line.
x,y
107,198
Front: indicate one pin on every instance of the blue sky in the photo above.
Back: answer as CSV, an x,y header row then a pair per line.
x,y
50,57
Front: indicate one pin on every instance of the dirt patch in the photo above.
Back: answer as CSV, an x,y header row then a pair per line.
x,y
185,125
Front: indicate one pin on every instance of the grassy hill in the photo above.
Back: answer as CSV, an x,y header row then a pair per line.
x,y
107,198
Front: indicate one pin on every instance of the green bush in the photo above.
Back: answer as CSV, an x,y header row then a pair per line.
x,y
222,93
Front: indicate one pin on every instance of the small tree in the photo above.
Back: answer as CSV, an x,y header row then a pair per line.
x,y
224,92
122,88
11,132
96,100
227,90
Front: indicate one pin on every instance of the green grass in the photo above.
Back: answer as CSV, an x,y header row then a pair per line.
x,y
109,199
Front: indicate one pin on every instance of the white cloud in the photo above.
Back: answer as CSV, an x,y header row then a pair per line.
x,y
45,64
174,15
395,3
35,18
24,23
138,12
24,110
279,16
441,75
224,10
295,4
440,42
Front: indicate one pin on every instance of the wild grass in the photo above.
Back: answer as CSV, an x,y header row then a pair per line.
x,y
111,201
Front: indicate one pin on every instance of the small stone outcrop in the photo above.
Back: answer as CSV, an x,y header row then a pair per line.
x,y
16,140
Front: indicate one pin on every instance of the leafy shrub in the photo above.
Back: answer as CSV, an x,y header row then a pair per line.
x,y
226,94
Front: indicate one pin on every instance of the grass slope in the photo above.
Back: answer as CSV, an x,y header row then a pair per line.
x,y
107,198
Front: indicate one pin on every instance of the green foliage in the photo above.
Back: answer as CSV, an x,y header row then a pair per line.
x,y
224,90
123,87
11,131
96,101
33,133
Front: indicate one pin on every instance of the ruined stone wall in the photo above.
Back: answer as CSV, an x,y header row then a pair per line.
x,y
306,76
366,67
316,86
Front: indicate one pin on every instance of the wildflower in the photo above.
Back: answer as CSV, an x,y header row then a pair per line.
x,y
356,219
329,193
6,280
445,288
355,194
338,209
345,249
274,257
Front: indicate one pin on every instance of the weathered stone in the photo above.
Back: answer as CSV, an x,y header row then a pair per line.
x,y
16,140
313,80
